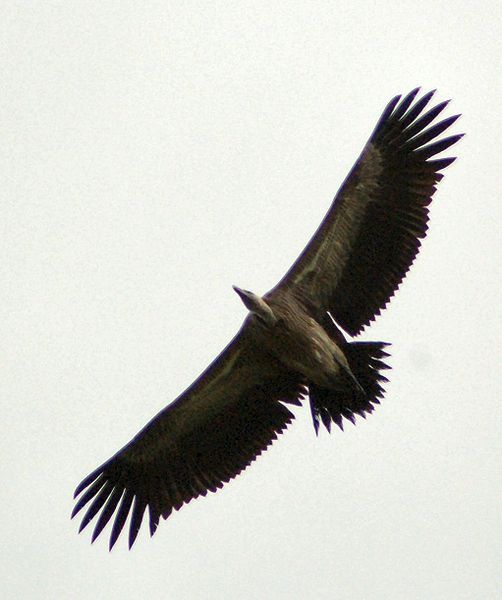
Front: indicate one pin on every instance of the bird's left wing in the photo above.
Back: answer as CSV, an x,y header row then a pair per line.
x,y
371,234
213,431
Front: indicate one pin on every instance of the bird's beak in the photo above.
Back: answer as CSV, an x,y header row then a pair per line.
x,y
239,291
245,297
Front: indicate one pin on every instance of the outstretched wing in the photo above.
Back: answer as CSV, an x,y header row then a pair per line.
x,y
213,431
372,232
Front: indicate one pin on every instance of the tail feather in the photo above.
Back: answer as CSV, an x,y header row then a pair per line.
x,y
365,361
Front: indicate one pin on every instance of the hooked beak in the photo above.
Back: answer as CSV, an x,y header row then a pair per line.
x,y
240,292
246,297
256,305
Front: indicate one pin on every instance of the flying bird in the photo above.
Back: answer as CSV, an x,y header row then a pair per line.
x,y
293,343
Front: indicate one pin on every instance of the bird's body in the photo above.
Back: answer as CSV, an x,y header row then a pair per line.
x,y
291,345
300,343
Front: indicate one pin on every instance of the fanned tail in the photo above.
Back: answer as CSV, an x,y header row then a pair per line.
x,y
365,361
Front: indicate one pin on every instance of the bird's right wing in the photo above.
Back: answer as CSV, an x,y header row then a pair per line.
x,y
213,431
372,232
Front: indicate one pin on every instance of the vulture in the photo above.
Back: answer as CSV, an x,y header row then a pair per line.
x,y
294,345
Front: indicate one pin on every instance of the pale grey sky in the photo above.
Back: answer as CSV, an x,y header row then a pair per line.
x,y
152,154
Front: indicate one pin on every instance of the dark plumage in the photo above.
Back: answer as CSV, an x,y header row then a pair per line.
x,y
290,345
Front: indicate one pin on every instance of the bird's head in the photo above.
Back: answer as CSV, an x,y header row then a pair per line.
x,y
257,306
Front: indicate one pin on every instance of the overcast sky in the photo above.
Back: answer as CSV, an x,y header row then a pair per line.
x,y
152,155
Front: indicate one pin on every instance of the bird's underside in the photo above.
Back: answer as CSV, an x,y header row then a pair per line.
x,y
291,345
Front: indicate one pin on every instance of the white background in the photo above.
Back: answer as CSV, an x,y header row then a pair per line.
x,y
153,154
